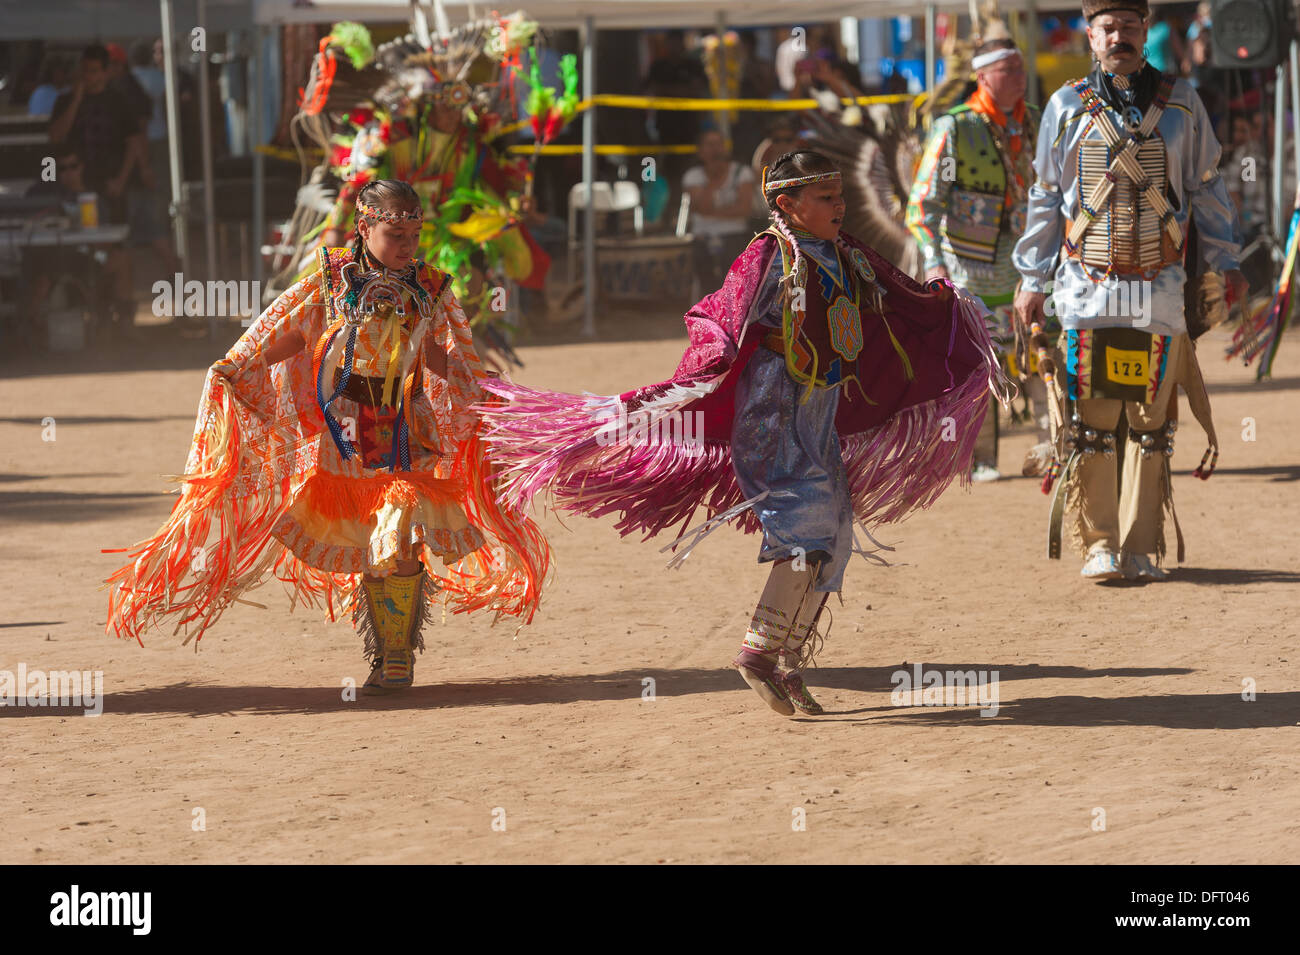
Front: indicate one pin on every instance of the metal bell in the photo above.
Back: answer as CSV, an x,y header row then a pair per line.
x,y
1169,450
1148,442
1146,452
1108,439
1071,442
1090,435
1171,427
1075,419
1090,450
1108,452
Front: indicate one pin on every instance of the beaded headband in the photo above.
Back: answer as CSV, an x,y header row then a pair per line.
x,y
383,215
776,184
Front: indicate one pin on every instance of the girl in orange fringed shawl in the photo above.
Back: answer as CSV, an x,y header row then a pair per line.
x,y
336,447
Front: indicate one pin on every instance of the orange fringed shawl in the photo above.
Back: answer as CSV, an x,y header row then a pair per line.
x,y
260,446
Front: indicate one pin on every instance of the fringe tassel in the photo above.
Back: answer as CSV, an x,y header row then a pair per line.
x,y
506,576
152,585
708,527
363,622
420,609
871,555
336,496
908,373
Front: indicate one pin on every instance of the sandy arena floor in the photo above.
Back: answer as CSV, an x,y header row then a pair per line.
x,y
1124,699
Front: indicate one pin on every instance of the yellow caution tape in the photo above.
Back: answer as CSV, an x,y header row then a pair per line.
x,y
650,149
619,101
277,152
770,105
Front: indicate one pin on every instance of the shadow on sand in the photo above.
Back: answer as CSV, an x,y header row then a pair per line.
x,y
1194,711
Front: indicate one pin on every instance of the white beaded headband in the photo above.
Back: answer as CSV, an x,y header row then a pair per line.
x,y
777,184
988,59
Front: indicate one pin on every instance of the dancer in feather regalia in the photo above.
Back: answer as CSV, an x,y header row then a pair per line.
x,y
821,386
430,114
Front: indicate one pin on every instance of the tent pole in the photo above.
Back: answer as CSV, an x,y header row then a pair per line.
x,y
1295,103
180,221
929,48
259,160
1032,94
1279,122
209,200
588,177
724,118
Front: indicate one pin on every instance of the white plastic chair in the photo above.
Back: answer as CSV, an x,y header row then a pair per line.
x,y
606,197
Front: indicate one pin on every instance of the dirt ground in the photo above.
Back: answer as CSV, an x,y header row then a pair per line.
x,y
1121,736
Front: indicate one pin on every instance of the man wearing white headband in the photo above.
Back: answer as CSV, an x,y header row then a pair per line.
x,y
967,204
1126,162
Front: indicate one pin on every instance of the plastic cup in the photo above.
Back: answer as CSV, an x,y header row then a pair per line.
x,y
89,204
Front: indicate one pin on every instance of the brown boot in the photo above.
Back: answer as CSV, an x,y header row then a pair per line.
x,y
761,676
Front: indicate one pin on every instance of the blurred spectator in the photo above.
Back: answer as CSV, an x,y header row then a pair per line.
x,y
148,74
99,123
675,73
1246,173
1164,47
757,81
721,191
817,78
53,82
1197,54
788,54
757,77
122,80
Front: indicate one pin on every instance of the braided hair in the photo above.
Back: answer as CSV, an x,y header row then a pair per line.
x,y
390,195
792,165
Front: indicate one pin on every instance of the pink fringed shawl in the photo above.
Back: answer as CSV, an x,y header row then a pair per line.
x,y
900,453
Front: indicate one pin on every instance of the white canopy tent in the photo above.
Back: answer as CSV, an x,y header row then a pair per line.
x,y
66,20
633,14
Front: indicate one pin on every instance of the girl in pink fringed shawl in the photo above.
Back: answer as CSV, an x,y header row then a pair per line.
x,y
828,386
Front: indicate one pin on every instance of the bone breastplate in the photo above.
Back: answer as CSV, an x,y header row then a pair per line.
x,y
1126,233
